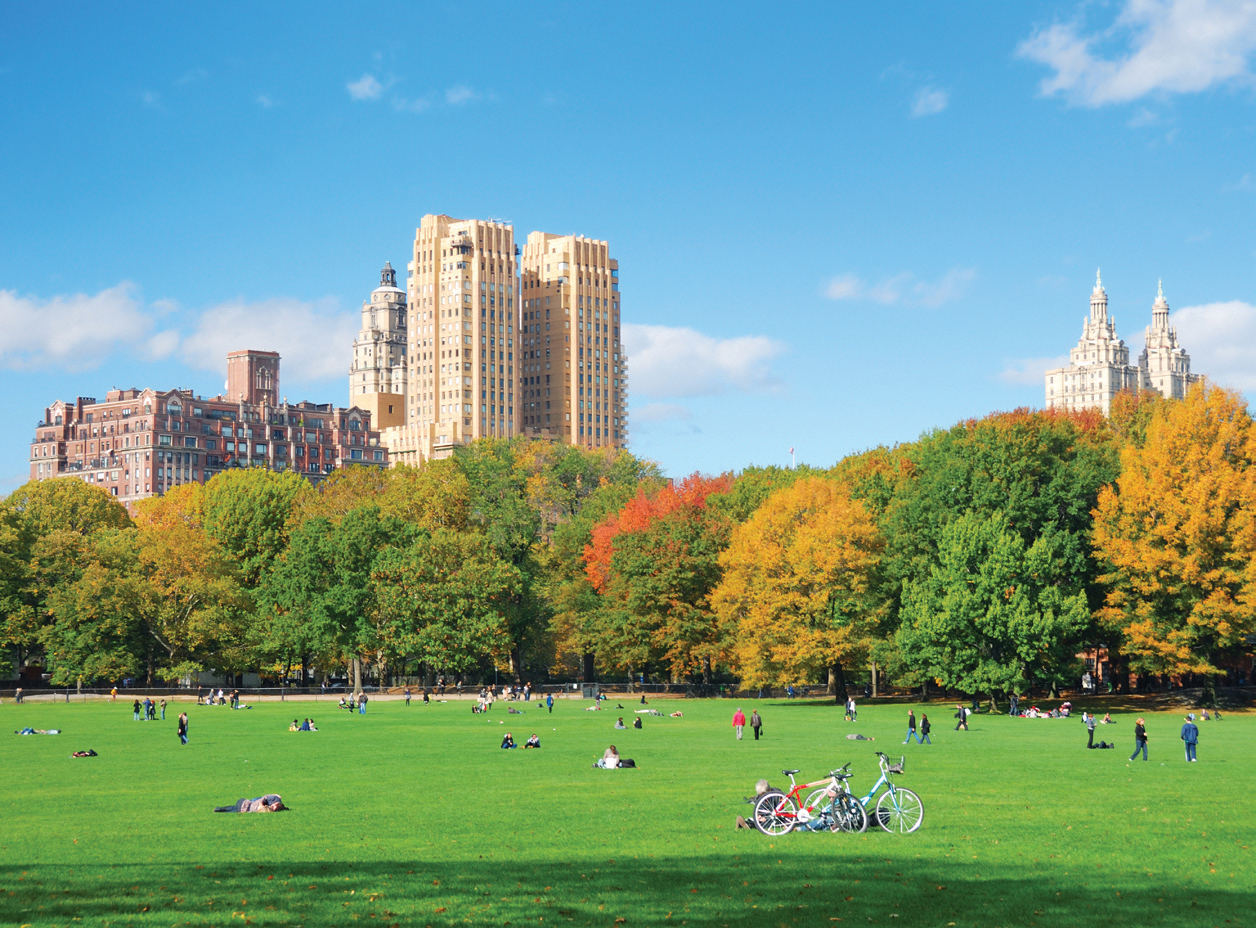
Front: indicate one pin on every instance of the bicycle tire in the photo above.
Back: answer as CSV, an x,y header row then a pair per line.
x,y
775,813
900,811
849,815
816,803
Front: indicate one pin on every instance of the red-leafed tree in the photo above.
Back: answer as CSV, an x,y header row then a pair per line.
x,y
655,563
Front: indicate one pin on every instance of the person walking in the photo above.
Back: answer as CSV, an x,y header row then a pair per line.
x,y
549,702
1190,734
924,729
1090,729
755,723
852,711
911,728
183,728
962,714
163,710
739,722
113,694
1140,739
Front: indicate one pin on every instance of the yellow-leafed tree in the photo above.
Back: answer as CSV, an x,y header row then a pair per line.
x,y
796,598
1177,536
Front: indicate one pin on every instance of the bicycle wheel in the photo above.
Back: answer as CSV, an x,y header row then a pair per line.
x,y
849,815
775,813
816,804
900,811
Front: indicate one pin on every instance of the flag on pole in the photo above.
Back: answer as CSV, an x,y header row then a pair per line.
x,y
791,450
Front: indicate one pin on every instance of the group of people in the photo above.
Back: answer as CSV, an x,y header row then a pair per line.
x,y
147,711
303,725
739,723
218,698
508,742
1189,736
360,705
923,736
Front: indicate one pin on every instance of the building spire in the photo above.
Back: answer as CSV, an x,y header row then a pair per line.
x,y
1159,290
1098,281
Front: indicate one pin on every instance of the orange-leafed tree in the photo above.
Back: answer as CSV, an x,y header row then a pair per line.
x,y
655,562
798,593
1176,536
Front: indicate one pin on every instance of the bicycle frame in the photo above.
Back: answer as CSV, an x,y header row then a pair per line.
x,y
883,780
833,784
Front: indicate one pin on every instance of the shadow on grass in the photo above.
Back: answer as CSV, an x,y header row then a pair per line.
x,y
753,889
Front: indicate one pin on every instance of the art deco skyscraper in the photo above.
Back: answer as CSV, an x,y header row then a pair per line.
x,y
573,375
377,379
463,302
1165,365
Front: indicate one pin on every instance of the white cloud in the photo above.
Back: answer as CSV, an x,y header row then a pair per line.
x,y
1030,371
365,88
417,105
73,332
315,339
929,101
1154,46
1221,340
460,94
1245,184
904,288
670,362
265,101
151,99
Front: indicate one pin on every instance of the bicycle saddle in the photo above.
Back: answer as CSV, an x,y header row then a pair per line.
x,y
789,772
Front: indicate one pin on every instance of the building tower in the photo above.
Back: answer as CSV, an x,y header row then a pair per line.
x,y
377,378
1165,365
573,375
1099,365
460,377
253,377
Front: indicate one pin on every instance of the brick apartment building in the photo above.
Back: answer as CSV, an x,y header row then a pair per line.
x,y
140,443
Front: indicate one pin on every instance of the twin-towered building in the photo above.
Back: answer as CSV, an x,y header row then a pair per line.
x,y
1099,366
492,340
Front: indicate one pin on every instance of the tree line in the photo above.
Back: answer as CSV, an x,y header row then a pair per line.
x,y
982,558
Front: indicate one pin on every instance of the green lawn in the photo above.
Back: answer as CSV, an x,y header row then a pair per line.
x,y
415,817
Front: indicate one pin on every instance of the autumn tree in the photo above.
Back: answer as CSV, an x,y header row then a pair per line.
x,y
656,562
1176,537
248,511
797,597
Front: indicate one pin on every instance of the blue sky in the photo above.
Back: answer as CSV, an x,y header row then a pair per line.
x,y
838,225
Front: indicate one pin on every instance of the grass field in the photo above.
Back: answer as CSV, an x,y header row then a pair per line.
x,y
413,816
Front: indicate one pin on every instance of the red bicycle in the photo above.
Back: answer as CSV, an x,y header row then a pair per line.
x,y
829,807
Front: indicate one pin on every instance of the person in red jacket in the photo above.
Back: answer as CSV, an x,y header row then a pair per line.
x,y
739,722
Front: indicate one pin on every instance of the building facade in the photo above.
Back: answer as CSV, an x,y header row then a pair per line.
x,y
1099,365
378,377
573,373
141,443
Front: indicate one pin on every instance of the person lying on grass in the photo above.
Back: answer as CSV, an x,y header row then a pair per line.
x,y
38,731
271,802
87,753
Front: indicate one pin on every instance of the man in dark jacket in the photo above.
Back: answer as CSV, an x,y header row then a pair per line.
x,y
1190,734
1090,729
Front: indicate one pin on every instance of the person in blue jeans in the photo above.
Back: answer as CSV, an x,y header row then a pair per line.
x,y
1140,739
911,728
924,729
1190,734
362,705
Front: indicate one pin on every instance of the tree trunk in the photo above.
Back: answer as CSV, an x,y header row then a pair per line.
x,y
994,702
589,676
1210,691
706,673
874,679
837,683
357,676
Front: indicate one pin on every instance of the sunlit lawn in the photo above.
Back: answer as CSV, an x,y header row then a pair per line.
x,y
415,817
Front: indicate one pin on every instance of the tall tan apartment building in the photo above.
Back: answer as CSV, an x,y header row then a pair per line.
x,y
461,371
377,379
573,374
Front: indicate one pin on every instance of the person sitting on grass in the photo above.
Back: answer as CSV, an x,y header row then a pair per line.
x,y
636,723
619,724
761,787
1107,719
312,727
508,742
609,759
533,742
271,802
295,726
341,704
305,725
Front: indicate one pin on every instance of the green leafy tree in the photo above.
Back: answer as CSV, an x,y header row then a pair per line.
x,y
994,614
444,598
247,512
